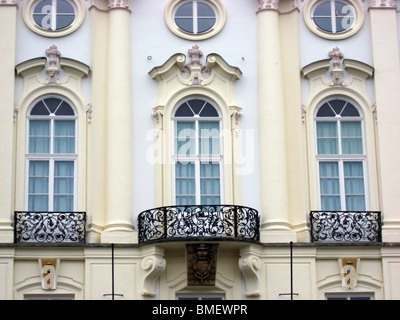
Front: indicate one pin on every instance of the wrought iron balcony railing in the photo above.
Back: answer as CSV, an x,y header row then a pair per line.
x,y
49,227
199,221
345,226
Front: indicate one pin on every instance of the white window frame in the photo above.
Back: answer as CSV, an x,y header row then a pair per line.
x,y
216,5
341,158
51,157
197,159
27,14
308,11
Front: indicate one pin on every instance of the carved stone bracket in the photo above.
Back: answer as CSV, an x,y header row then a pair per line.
x,y
153,267
201,264
250,266
195,67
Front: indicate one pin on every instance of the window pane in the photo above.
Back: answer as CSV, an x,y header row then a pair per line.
x,y
40,110
209,137
204,10
38,186
185,138
351,138
39,136
64,136
354,185
63,186
327,138
210,184
329,185
208,111
185,187
205,24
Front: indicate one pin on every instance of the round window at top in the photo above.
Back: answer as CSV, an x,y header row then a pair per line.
x,y
54,18
333,19
195,19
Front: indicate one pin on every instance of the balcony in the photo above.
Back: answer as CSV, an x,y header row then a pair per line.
x,y
49,227
199,222
345,226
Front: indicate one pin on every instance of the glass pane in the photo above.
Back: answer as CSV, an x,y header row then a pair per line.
x,y
197,105
185,10
39,136
205,24
64,7
323,10
63,186
52,104
38,186
64,136
40,110
338,105
204,10
350,111
184,111
329,185
185,187
64,21
65,110
185,138
324,23
186,24
354,185
42,14
210,184
208,111
209,138
325,111
351,138
327,141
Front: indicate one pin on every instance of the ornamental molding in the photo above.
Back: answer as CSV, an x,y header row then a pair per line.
x,y
195,72
349,268
382,4
201,264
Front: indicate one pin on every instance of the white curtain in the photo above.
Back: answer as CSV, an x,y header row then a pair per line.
x,y
330,186
64,186
185,185
210,183
185,138
354,185
351,138
209,137
38,186
64,136
327,138
39,136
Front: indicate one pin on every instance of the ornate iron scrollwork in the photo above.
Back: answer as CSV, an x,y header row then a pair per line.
x,y
345,226
50,227
210,221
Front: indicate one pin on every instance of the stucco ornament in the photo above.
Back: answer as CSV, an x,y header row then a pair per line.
x,y
337,72
268,4
195,67
53,57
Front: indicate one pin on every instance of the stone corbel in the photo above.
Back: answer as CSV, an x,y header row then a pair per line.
x,y
49,272
89,112
337,72
250,267
153,266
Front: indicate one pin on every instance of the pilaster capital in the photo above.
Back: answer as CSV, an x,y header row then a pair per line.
x,y
119,4
9,3
382,4
267,5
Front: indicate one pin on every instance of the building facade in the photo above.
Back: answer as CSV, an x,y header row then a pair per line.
x,y
198,149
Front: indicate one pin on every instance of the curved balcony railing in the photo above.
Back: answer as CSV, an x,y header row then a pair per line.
x,y
49,227
199,222
345,226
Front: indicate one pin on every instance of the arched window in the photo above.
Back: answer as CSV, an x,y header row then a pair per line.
x,y
197,153
51,156
340,156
